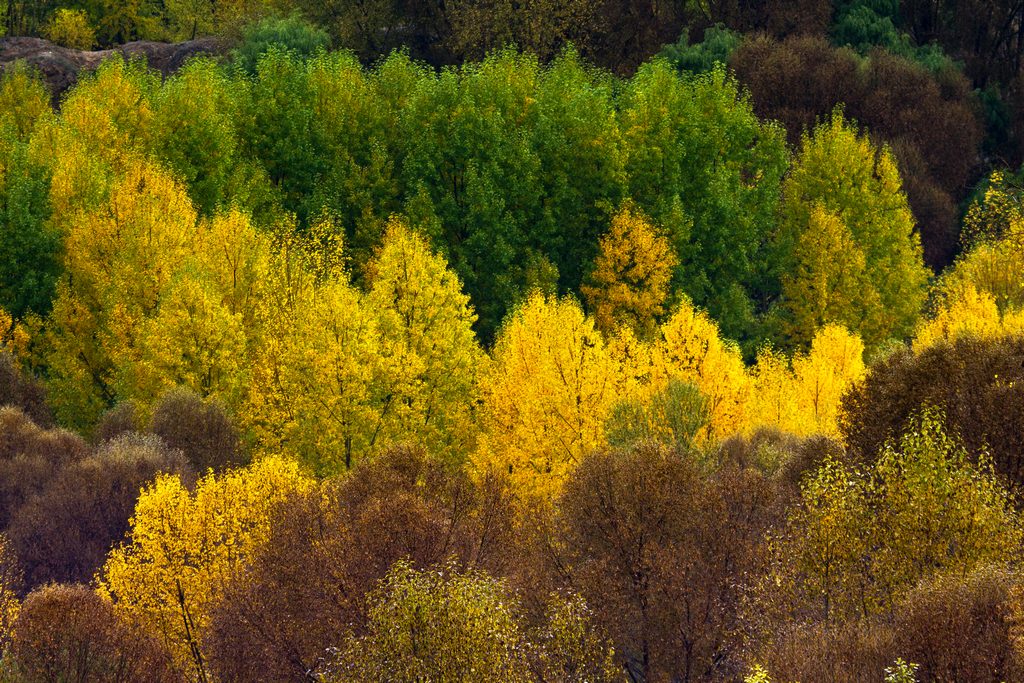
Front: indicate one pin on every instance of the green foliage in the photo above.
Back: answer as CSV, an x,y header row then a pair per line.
x,y
864,28
839,171
703,166
438,625
672,416
716,48
29,243
290,34
901,672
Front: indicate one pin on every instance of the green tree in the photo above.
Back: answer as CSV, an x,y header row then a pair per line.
x,y
470,176
708,172
30,244
582,164
291,34
839,171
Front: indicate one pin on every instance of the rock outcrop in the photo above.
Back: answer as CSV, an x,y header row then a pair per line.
x,y
60,66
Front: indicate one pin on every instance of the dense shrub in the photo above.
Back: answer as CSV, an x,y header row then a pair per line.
x,y
120,420
20,390
70,633
64,532
975,382
29,459
200,429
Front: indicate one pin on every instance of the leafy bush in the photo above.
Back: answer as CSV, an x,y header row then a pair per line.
x,y
70,28
290,34
70,633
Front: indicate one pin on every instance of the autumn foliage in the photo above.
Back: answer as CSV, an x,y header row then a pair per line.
x,y
342,365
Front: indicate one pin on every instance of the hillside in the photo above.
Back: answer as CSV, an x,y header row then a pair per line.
x,y
487,341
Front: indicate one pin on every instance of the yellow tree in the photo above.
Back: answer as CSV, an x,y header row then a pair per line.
x,y
772,401
430,355
184,547
152,298
965,311
315,365
828,282
546,395
690,349
834,363
119,259
629,283
24,101
105,125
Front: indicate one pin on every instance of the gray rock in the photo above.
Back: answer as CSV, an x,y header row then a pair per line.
x,y
60,66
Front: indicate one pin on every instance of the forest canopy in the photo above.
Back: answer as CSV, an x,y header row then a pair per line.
x,y
498,341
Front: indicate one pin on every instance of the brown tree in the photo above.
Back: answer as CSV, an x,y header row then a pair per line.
x,y
306,589
29,458
657,549
70,633
63,533
976,383
200,429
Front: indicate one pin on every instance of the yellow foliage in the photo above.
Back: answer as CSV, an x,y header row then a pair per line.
x,y
828,283
105,126
152,299
834,364
690,349
313,375
982,295
24,101
993,267
70,28
546,395
773,401
10,606
183,547
998,214
630,280
429,350
801,396
339,374
968,313
14,337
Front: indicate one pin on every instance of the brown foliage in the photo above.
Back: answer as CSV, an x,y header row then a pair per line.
x,y
201,429
64,533
20,390
954,627
957,628
29,458
120,420
307,588
70,633
976,383
657,549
